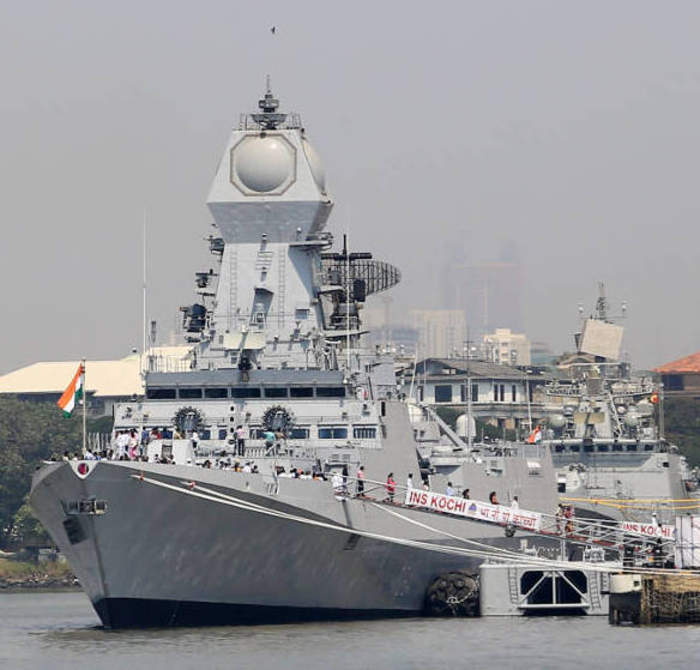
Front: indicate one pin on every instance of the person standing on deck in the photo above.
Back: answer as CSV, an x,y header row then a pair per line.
x,y
390,486
361,481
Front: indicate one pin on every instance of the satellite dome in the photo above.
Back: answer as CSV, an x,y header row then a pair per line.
x,y
315,164
263,163
557,420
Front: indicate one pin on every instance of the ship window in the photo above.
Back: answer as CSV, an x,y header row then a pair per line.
x,y
648,447
332,432
631,447
559,448
222,433
617,447
603,447
301,392
299,434
245,392
576,447
205,435
330,392
160,394
364,432
190,394
216,393
273,392
443,393
588,448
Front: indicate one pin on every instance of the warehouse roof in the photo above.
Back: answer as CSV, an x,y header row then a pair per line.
x,y
687,364
102,378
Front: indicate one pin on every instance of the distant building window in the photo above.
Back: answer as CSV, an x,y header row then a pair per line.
x,y
333,432
215,393
330,392
190,394
364,432
443,393
245,392
503,392
299,434
673,382
160,394
463,392
420,394
301,392
513,393
495,392
272,392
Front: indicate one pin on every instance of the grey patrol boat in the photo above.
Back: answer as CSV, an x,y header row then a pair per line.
x,y
180,537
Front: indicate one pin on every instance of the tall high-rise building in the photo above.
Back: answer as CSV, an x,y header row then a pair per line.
x,y
441,332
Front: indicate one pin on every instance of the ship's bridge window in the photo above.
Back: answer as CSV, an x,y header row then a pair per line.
x,y
330,392
299,434
190,394
205,434
576,447
160,394
275,392
245,392
603,447
364,432
301,392
216,393
588,448
631,447
558,448
332,432
648,447
617,447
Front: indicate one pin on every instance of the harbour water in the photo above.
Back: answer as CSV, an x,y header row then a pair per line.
x,y
60,630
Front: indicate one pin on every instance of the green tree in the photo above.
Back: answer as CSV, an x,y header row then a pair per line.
x,y
30,432
682,422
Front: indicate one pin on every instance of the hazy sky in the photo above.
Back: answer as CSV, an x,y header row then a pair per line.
x,y
567,128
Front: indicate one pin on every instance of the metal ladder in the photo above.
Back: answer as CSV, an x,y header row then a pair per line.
x,y
232,285
281,286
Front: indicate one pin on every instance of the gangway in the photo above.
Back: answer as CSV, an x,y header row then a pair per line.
x,y
625,538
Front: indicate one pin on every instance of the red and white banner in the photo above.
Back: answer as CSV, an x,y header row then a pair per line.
x,y
473,509
649,529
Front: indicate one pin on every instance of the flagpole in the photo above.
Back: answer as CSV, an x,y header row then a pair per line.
x,y
84,394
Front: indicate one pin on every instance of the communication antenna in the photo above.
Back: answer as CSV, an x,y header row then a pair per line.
x,y
144,323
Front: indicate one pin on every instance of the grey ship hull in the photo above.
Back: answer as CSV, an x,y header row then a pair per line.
x,y
160,557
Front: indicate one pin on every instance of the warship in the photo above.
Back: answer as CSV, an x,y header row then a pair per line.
x,y
605,430
245,504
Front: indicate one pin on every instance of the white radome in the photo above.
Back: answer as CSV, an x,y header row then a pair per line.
x,y
315,164
263,164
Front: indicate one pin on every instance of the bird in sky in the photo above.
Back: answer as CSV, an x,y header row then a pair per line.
x,y
273,30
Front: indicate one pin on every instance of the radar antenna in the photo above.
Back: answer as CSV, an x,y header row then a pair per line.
x,y
270,117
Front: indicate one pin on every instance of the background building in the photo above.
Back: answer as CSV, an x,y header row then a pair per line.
x,y
106,382
682,377
506,347
441,332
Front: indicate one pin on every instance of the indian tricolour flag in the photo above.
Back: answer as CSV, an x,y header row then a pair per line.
x,y
74,391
